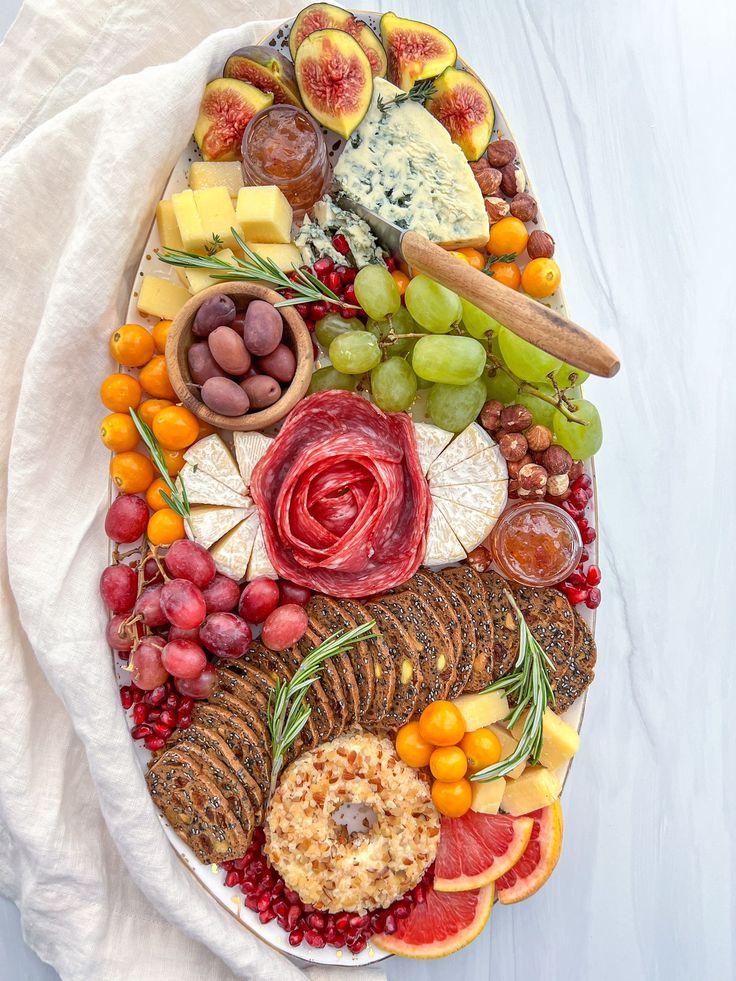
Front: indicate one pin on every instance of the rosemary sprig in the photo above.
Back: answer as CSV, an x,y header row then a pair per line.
x,y
508,257
176,499
214,246
287,711
257,269
529,686
419,92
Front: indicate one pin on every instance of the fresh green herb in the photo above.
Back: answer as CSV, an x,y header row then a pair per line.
x,y
287,711
509,257
177,498
215,245
256,269
419,92
528,685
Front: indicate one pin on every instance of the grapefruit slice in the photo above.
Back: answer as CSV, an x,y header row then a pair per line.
x,y
476,849
539,859
441,925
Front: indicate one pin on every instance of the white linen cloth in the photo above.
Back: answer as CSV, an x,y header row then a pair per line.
x,y
98,100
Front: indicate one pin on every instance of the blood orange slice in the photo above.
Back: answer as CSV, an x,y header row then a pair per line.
x,y
440,925
476,849
539,859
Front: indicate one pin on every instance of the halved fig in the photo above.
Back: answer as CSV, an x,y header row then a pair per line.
x,y
415,50
464,108
321,16
268,70
334,79
227,107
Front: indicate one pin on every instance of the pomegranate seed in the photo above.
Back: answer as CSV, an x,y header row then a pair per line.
x,y
168,718
338,943
249,886
290,294
323,266
349,295
161,730
185,704
341,244
576,579
140,732
264,902
281,920
349,275
389,925
137,694
583,482
153,716
310,325
314,939
593,599
570,508
584,556
252,903
588,536
154,743
183,721
293,897
240,864
358,944
577,595
316,921
341,270
266,915
334,282
334,307
401,911
419,894
358,922
302,309
157,696
593,576
126,697
319,310
582,523
140,713
280,907
292,917
296,937
341,921
232,879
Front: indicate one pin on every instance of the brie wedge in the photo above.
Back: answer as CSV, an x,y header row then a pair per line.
x,y
209,522
260,564
232,552
201,488
442,543
431,441
249,448
212,456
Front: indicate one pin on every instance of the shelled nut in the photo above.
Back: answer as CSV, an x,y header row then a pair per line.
x,y
496,209
513,446
541,245
524,207
500,153
513,181
539,438
515,418
557,460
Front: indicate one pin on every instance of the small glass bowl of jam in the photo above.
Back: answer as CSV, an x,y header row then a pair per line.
x,y
282,145
536,544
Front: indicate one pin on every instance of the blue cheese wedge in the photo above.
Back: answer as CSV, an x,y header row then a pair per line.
x,y
364,249
212,456
232,553
201,488
401,164
249,448
209,522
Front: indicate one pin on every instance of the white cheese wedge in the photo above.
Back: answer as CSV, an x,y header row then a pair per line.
x,y
489,498
260,564
249,448
212,456
232,553
470,441
470,527
481,468
209,522
403,165
431,441
203,489
442,544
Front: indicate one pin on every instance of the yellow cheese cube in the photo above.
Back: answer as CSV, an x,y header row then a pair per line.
x,y
200,279
482,709
560,742
217,215
536,787
216,173
264,214
487,796
168,231
508,745
161,298
286,257
188,220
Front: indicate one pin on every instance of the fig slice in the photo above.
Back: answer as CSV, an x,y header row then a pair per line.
x,y
227,107
465,109
415,50
321,16
268,70
335,80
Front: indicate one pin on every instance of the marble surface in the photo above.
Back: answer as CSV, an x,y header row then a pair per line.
x,y
624,115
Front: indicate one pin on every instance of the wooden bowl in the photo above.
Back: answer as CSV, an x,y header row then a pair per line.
x,y
181,338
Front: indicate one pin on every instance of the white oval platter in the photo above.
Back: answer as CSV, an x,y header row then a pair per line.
x,y
210,877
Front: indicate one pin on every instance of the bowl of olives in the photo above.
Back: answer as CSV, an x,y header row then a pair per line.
x,y
235,360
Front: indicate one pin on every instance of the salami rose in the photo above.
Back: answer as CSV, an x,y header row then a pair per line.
x,y
344,503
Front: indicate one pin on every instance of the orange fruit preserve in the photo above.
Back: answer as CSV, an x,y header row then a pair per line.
x,y
536,544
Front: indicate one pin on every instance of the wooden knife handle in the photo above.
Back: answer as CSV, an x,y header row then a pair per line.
x,y
523,316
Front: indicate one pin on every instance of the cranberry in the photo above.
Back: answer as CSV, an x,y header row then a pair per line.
x,y
341,244
323,266
593,599
593,576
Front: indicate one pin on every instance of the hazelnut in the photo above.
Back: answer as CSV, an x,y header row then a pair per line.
x,y
557,460
576,470
538,457
557,484
500,153
513,488
541,245
536,494
538,438
488,178
515,466
513,181
515,418
524,207
513,446
490,415
532,477
496,209
480,559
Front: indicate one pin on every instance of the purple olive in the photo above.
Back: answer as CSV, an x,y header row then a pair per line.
x,y
279,364
202,365
228,350
262,391
263,328
225,396
215,312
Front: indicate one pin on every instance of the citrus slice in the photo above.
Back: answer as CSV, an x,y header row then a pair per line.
x,y
539,859
476,849
441,925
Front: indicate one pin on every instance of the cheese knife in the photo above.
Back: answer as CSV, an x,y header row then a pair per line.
x,y
519,313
